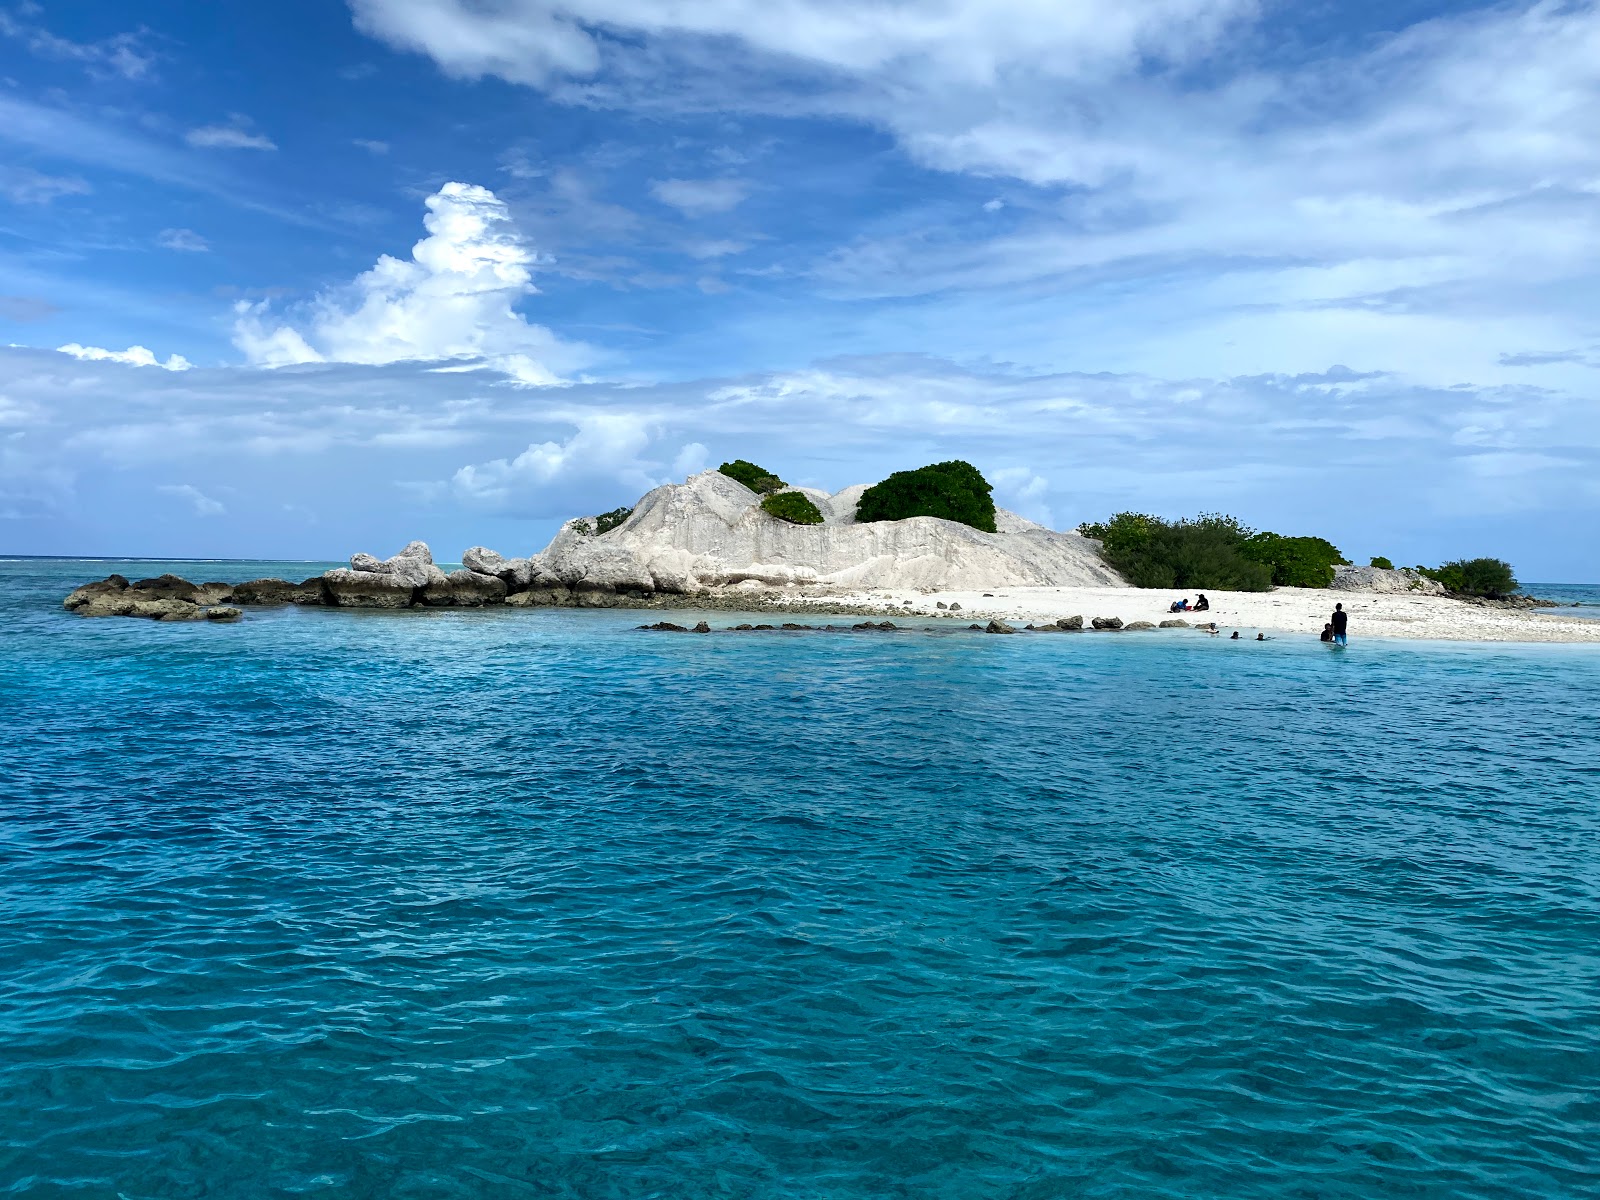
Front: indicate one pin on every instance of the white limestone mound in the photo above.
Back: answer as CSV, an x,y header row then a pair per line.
x,y
1384,581
711,532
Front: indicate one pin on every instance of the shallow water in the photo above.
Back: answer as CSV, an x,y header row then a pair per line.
x,y
527,903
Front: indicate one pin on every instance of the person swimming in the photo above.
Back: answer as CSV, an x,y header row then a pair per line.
x,y
1327,632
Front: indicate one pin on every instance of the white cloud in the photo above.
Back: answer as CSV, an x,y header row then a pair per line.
x,y
22,185
700,197
370,145
133,356
185,240
124,54
203,505
451,301
602,457
235,135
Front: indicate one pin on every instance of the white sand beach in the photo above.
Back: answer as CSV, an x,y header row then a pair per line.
x,y
1284,610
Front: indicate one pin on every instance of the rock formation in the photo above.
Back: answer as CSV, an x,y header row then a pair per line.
x,y
1384,580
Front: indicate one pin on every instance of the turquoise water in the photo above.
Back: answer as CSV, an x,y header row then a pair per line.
x,y
527,903
1576,599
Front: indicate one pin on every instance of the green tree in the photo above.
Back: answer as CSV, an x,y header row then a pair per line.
x,y
757,479
955,491
1381,562
793,507
1294,561
1489,577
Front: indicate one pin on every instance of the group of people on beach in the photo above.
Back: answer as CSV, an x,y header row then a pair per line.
x,y
1182,604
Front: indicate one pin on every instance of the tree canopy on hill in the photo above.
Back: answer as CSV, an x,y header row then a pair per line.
x,y
794,507
1212,550
757,479
954,491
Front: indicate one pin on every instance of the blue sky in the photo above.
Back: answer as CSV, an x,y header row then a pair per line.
x,y
305,278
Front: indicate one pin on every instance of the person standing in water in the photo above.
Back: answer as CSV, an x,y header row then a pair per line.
x,y
1341,624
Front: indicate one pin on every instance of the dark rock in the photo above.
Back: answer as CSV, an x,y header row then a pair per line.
x,y
262,592
940,604
349,588
1175,623
1070,624
702,627
766,626
955,606
166,587
111,585
464,589
665,627
222,613
979,628
998,627
792,625
1107,622
746,626
1139,625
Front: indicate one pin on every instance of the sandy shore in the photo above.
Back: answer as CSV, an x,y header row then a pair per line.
x,y
1286,610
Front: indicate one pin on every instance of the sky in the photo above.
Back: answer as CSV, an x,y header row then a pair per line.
x,y
306,278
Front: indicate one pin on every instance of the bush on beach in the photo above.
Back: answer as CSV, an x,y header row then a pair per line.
x,y
954,491
1382,563
1491,578
793,507
1212,550
757,479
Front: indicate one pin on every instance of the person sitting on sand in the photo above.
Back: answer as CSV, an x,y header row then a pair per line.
x,y
1180,605
1202,604
1327,632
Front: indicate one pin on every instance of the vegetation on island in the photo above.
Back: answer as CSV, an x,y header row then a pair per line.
x,y
1212,550
1491,578
604,523
793,507
758,479
1381,563
954,491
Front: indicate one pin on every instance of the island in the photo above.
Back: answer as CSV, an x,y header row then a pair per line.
x,y
925,543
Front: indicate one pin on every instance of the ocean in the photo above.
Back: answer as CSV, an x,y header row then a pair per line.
x,y
532,903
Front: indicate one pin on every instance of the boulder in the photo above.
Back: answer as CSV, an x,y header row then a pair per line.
x,y
518,574
464,589
213,593
1070,624
349,588
413,566
1107,622
955,606
1384,581
666,627
79,597
702,627
998,627
166,587
558,597
1175,623
1139,625
222,613
265,592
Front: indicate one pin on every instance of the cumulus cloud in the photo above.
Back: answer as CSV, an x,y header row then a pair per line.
x,y
602,457
22,185
234,135
452,300
202,504
133,356
700,197
184,240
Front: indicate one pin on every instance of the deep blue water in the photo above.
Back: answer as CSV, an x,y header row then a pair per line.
x,y
529,903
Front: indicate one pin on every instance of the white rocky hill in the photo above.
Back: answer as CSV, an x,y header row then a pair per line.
x,y
711,532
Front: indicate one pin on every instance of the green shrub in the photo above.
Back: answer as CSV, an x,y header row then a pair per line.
x,y
1490,577
793,507
608,521
955,491
582,525
757,479
1295,561
1213,551
1381,562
